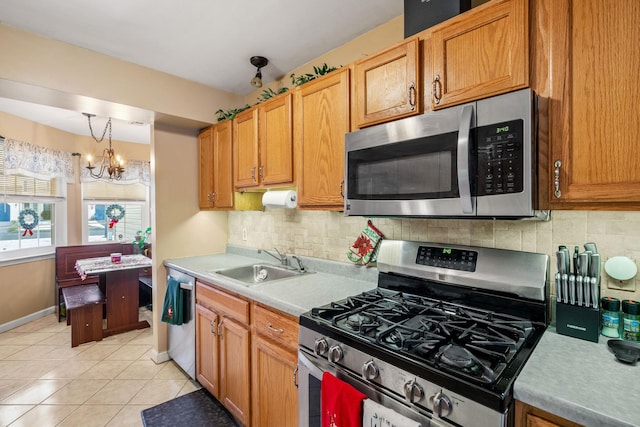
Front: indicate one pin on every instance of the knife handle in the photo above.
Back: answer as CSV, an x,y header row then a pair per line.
x,y
572,288
587,294
565,288
579,294
595,292
558,287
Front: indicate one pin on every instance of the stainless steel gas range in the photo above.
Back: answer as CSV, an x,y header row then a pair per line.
x,y
440,340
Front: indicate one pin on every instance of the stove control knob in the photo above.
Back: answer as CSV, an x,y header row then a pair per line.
x,y
335,354
441,404
370,371
413,392
321,346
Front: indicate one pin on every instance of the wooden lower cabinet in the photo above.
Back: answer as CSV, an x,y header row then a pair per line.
x,y
207,372
247,357
223,349
235,368
274,390
530,416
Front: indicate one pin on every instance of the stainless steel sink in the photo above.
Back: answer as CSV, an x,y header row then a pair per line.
x,y
260,273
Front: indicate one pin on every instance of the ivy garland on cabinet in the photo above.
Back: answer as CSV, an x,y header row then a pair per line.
x,y
270,93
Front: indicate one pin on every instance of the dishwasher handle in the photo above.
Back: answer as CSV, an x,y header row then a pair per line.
x,y
184,285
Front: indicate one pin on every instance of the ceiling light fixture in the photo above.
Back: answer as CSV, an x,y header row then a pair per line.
x,y
110,163
259,62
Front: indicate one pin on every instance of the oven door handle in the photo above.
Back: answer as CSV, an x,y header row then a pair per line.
x,y
309,366
464,166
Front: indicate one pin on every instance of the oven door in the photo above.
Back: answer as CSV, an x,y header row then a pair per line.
x,y
418,166
310,370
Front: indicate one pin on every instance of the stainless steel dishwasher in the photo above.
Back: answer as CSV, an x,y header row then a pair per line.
x,y
182,338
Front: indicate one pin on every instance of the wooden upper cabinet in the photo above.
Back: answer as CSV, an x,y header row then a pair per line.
x,y
245,146
275,138
321,120
223,166
480,53
263,145
205,169
593,112
215,162
387,84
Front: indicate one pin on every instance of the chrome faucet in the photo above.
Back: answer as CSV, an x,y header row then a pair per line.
x,y
280,257
301,267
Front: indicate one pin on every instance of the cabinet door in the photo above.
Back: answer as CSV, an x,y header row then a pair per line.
x,y
481,53
122,296
205,169
223,166
245,146
235,368
276,141
275,394
387,84
594,126
207,368
530,416
321,119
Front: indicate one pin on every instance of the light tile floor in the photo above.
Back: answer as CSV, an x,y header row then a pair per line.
x,y
44,382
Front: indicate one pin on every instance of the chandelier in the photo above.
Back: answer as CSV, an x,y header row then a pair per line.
x,y
111,164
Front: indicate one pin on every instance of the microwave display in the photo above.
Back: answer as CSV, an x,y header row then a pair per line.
x,y
500,158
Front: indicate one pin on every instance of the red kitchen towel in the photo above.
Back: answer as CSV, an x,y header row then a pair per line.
x,y
341,403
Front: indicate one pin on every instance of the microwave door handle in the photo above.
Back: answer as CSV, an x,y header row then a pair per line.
x,y
464,180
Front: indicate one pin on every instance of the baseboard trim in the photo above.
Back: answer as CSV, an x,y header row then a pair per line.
x,y
160,357
26,319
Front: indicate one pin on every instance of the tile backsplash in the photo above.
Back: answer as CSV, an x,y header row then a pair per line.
x,y
328,235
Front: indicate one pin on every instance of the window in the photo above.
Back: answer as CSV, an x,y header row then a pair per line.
x,y
99,199
32,214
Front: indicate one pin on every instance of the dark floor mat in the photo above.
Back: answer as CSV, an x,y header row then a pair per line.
x,y
198,408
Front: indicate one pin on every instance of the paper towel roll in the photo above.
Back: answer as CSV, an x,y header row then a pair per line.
x,y
280,199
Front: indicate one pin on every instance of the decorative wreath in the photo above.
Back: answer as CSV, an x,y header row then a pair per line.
x,y
115,213
28,219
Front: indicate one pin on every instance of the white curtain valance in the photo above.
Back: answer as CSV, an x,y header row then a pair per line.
x,y
135,172
23,158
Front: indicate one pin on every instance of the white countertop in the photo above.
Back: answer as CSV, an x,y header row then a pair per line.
x,y
581,381
293,295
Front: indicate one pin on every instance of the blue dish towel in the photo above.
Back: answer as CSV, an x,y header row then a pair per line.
x,y
173,303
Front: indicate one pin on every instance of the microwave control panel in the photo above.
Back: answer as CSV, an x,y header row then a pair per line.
x,y
500,158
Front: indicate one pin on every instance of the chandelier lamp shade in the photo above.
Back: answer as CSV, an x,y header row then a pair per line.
x,y
111,165
258,62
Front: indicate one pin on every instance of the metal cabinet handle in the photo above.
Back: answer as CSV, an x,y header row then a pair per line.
x,y
212,327
437,85
253,174
412,96
295,376
277,330
342,189
261,172
220,326
213,198
556,180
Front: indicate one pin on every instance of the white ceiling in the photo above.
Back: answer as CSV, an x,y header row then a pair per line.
x,y
206,41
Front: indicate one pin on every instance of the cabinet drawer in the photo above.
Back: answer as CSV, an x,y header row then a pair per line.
x,y
276,326
222,302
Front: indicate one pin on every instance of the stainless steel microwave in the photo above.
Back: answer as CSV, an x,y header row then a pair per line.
x,y
476,160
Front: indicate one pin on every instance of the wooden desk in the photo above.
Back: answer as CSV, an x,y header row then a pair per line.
x,y
121,289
